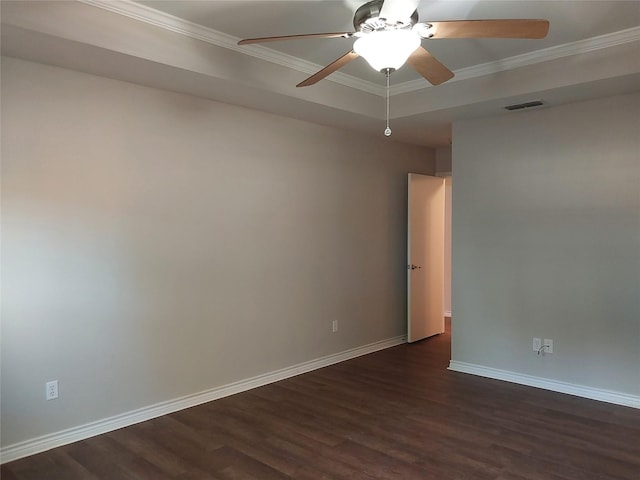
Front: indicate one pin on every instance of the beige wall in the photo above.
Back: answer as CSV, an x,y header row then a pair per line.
x,y
157,245
448,198
443,168
546,242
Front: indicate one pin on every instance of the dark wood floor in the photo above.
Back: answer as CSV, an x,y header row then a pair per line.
x,y
395,414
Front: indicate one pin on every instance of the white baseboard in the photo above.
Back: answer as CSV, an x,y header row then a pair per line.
x,y
57,439
562,387
447,313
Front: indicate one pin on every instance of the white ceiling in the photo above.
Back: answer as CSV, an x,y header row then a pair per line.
x,y
592,50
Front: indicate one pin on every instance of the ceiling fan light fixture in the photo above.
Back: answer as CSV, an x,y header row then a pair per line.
x,y
387,49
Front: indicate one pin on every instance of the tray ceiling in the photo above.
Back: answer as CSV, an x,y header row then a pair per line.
x,y
593,49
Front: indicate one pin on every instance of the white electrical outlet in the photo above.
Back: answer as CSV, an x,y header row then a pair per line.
x,y
334,326
537,343
51,390
548,345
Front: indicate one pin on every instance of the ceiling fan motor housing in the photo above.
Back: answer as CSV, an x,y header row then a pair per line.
x,y
367,18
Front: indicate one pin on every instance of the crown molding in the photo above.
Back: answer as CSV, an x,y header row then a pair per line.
x,y
546,54
190,29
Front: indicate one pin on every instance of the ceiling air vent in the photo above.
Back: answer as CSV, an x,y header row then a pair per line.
x,y
520,106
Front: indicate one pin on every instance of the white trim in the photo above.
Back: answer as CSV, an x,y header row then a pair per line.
x,y
447,313
64,437
175,24
190,29
592,393
531,58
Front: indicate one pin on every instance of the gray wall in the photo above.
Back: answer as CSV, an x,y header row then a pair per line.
x,y
157,245
546,242
443,160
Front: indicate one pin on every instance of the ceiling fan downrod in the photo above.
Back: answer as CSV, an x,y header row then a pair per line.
x,y
387,131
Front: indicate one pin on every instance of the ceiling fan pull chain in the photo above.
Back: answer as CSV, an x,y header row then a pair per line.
x,y
387,131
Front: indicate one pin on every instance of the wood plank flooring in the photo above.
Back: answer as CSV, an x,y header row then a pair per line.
x,y
395,414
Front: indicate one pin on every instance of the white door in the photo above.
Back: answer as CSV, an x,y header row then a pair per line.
x,y
425,263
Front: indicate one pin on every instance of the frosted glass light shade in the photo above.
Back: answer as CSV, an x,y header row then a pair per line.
x,y
387,48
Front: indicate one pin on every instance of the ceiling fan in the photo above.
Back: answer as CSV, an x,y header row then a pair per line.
x,y
388,34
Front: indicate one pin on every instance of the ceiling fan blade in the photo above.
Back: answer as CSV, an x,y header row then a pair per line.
x,y
248,41
429,67
522,28
329,69
394,10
